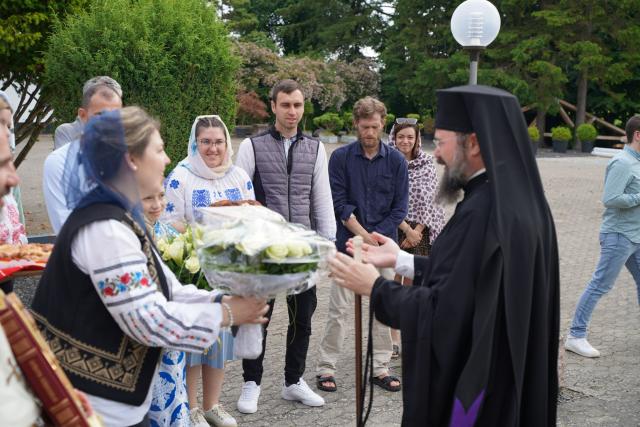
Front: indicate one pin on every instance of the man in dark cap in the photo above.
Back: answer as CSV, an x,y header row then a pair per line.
x,y
480,326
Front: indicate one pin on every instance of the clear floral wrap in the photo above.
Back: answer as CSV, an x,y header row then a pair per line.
x,y
252,251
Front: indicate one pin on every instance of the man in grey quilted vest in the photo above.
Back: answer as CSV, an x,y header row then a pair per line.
x,y
290,176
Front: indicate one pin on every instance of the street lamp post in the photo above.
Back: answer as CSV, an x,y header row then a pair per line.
x,y
474,25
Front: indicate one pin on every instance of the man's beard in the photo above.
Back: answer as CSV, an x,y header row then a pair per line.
x,y
453,179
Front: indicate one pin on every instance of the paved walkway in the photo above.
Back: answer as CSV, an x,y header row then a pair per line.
x,y
596,392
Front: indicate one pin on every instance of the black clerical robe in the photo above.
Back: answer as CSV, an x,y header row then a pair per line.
x,y
457,363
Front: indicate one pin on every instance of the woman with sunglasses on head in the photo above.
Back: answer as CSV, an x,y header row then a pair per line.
x,y
204,177
106,303
425,218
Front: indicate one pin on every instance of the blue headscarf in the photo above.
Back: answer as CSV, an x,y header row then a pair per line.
x,y
97,170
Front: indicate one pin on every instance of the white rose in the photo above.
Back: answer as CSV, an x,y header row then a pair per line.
x,y
176,250
192,264
277,252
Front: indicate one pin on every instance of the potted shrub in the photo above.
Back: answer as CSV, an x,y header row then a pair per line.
x,y
534,136
331,123
428,126
560,136
586,134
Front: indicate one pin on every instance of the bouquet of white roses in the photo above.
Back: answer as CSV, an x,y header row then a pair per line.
x,y
252,251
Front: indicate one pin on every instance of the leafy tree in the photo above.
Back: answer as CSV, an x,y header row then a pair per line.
x,y
25,27
318,28
251,108
172,57
598,52
329,84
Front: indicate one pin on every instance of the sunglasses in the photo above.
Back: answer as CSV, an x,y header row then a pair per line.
x,y
406,121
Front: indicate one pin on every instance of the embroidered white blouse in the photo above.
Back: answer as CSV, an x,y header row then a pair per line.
x,y
186,191
190,321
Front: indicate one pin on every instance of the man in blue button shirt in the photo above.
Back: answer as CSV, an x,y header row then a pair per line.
x,y
370,189
619,236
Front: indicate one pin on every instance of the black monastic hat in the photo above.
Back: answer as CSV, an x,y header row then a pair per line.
x,y
451,112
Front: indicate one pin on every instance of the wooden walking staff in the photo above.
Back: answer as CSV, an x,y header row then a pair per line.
x,y
357,256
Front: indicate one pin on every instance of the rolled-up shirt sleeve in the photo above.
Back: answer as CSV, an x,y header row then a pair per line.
x,y
190,322
617,179
339,186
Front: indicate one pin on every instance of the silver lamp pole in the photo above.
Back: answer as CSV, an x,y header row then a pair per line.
x,y
474,25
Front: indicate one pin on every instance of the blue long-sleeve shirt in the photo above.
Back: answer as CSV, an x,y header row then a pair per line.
x,y
376,191
621,196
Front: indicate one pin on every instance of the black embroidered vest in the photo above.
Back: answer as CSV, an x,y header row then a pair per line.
x,y
96,355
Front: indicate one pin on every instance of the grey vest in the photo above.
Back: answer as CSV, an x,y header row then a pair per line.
x,y
284,184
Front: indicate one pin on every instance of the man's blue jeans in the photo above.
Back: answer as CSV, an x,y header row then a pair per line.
x,y
615,251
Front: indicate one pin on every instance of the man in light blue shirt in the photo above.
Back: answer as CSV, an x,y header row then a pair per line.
x,y
99,94
619,236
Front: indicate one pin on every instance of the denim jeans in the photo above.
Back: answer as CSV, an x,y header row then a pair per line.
x,y
615,251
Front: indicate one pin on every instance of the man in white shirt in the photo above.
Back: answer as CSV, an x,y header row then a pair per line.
x,y
290,176
99,94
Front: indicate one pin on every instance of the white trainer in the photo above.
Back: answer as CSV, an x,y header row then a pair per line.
x,y
218,417
196,416
580,346
248,401
301,393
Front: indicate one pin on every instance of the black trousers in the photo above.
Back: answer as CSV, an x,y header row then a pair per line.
x,y
301,308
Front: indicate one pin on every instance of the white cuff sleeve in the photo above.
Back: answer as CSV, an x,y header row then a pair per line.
x,y
404,264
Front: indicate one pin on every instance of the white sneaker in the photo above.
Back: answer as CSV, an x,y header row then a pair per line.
x,y
302,393
196,416
218,417
580,346
248,401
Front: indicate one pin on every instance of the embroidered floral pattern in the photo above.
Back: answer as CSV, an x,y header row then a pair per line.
x,y
174,184
249,185
200,198
170,207
114,286
233,194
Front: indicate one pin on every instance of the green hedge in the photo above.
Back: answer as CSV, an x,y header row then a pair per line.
x,y
534,133
172,57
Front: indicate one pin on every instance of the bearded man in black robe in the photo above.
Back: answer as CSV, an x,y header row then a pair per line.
x,y
480,325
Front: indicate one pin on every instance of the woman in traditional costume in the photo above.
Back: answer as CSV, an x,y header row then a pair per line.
x,y
206,176
106,303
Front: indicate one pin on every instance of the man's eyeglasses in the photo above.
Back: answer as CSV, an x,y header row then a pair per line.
x,y
406,121
208,143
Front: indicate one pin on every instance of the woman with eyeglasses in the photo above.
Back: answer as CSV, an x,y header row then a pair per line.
x,y
425,218
204,177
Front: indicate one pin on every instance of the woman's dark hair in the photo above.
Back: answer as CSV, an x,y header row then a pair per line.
x,y
417,145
